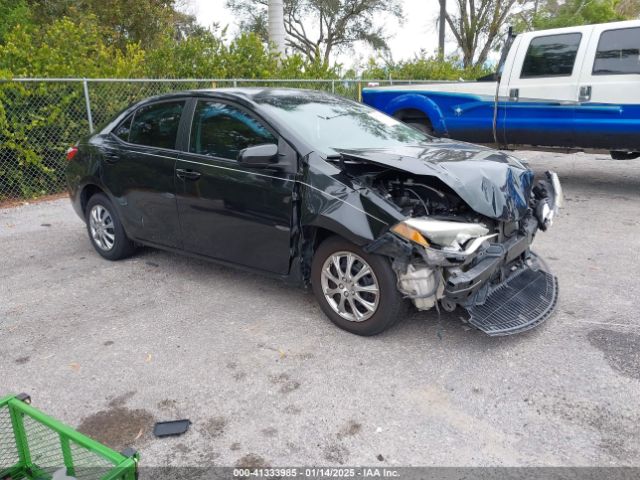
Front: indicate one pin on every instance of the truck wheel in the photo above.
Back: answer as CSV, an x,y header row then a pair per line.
x,y
423,127
416,119
356,290
619,155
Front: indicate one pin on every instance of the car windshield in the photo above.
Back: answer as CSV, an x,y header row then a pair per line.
x,y
331,124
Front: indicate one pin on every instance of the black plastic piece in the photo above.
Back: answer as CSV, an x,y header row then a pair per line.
x,y
24,397
174,427
129,452
522,302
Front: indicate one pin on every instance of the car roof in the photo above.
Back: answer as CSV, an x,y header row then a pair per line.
x,y
255,95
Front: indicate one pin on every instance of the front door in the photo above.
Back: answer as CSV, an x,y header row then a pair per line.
x,y
230,211
139,169
542,91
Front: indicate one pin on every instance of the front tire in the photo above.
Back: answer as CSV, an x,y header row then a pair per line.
x,y
356,290
105,229
620,155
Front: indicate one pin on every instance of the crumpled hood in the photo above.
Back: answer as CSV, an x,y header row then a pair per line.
x,y
492,183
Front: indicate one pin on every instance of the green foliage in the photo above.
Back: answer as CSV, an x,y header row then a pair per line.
x,y
123,22
67,48
38,121
422,67
546,14
577,12
12,13
209,55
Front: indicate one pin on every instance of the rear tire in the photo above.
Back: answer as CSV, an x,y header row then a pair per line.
x,y
424,127
416,119
105,229
619,155
361,311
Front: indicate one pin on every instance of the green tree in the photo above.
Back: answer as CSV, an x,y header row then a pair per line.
x,y
422,67
38,121
477,25
319,28
122,22
210,55
555,14
12,13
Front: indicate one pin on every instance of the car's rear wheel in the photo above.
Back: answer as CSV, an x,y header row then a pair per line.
x,y
105,229
356,290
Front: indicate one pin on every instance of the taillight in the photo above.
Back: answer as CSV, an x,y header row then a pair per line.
x,y
71,152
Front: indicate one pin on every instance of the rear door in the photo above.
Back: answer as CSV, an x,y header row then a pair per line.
x,y
608,115
229,211
138,168
542,91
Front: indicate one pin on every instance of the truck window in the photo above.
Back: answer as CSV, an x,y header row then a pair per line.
x,y
551,56
618,52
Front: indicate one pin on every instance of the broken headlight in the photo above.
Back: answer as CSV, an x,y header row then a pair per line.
x,y
456,236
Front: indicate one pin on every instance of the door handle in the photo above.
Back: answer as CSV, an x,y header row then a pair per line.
x,y
110,157
187,174
514,94
585,93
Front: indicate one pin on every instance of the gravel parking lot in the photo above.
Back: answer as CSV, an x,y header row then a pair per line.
x,y
266,379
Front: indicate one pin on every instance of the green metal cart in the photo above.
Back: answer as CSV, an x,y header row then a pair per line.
x,y
34,446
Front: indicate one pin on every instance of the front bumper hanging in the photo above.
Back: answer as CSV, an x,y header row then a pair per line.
x,y
520,303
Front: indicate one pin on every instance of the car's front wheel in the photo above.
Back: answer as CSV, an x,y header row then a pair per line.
x,y
356,290
105,229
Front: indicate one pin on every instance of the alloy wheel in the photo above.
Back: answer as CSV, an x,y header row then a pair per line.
x,y
102,228
350,286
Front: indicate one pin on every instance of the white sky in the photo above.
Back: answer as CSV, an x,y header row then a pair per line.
x,y
419,30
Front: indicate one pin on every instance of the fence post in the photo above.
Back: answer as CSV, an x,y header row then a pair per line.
x,y
333,86
235,83
85,87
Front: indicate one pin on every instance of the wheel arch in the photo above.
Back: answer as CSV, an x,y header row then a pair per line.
x,y
88,191
413,102
314,234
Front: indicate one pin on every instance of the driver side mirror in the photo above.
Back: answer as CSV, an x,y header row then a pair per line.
x,y
259,155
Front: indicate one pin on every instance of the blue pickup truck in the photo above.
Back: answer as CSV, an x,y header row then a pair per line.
x,y
570,88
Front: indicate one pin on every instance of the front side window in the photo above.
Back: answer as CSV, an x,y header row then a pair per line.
x,y
156,125
220,130
618,52
551,56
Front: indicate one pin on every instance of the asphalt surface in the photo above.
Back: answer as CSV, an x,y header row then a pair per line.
x,y
266,379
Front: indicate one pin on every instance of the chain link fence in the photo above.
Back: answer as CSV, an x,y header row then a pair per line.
x,y
41,118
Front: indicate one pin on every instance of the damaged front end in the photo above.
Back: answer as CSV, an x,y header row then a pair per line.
x,y
448,255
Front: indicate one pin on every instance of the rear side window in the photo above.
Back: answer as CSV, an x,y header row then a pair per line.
x,y
220,130
551,56
156,125
618,52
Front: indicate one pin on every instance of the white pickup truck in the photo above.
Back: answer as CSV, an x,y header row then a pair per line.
x,y
572,88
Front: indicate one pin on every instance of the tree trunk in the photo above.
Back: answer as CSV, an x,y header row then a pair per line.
x,y
443,24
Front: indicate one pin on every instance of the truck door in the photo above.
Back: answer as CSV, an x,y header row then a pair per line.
x,y
541,92
608,111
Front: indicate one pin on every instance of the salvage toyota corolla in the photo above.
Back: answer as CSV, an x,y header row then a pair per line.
x,y
323,192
